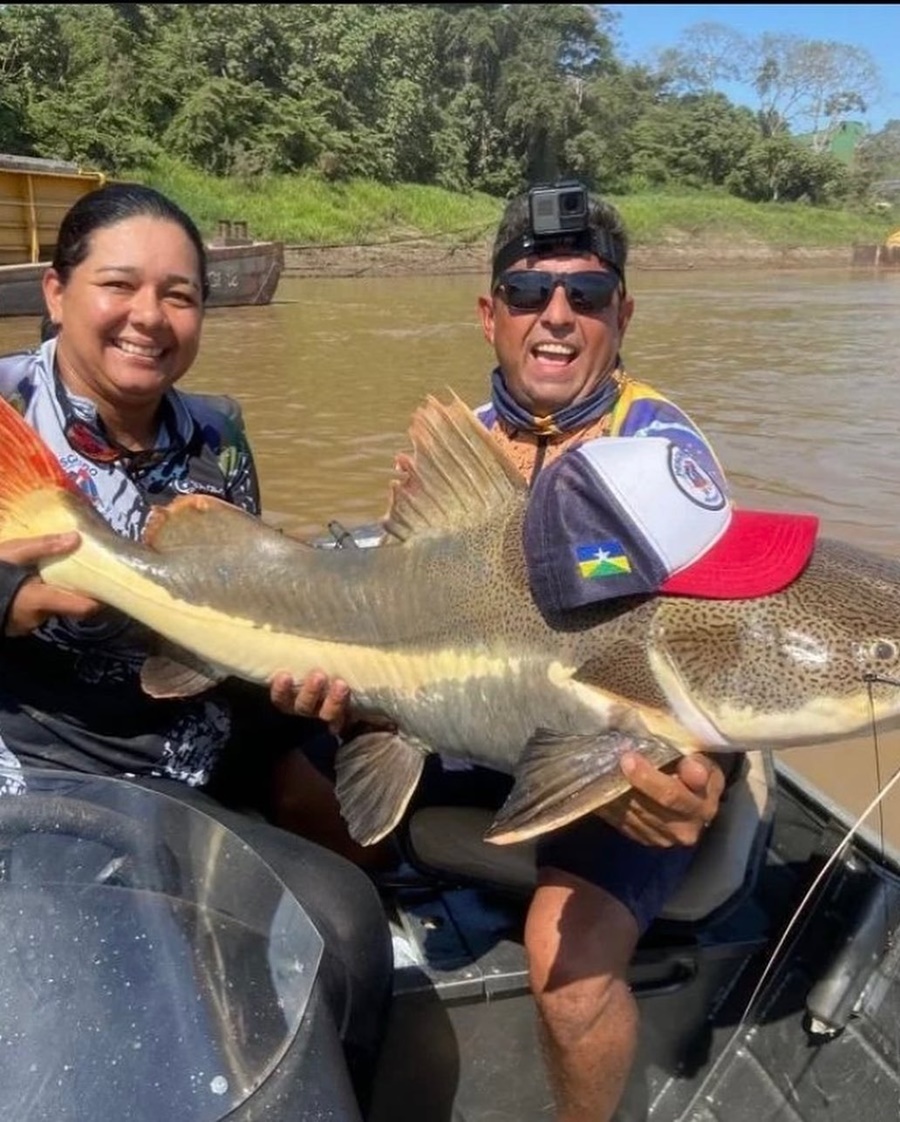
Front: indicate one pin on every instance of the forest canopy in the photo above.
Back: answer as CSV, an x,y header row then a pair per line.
x,y
469,97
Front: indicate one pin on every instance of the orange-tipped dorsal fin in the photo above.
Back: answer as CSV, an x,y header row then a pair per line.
x,y
456,475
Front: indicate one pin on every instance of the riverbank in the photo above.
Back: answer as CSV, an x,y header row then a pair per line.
x,y
441,257
360,227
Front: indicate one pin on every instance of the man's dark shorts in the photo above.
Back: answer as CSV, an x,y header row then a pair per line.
x,y
641,877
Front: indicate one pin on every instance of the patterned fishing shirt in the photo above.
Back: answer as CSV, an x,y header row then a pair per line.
x,y
70,693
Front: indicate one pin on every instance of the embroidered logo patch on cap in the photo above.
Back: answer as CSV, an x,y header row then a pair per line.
x,y
693,480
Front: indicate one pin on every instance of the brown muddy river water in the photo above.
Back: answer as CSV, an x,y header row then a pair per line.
x,y
794,376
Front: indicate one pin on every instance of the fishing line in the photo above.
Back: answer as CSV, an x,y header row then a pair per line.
x,y
823,872
869,679
813,888
832,860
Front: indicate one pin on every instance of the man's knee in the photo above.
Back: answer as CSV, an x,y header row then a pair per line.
x,y
579,940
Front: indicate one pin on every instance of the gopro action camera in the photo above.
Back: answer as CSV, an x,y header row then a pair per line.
x,y
559,217
559,209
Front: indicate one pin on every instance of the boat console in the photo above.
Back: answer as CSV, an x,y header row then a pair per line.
x,y
152,967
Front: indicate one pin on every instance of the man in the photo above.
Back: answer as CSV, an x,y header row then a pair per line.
x,y
556,315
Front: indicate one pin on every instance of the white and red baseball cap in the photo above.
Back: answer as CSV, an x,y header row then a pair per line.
x,y
625,516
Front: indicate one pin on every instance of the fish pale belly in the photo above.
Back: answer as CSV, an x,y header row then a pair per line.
x,y
479,703
486,709
476,703
473,704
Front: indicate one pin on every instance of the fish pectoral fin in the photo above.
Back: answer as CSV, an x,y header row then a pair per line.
x,y
175,672
376,774
561,777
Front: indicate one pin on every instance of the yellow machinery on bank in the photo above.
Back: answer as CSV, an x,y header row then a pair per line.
x,y
34,196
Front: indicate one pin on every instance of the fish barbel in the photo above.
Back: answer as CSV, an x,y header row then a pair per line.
x,y
437,630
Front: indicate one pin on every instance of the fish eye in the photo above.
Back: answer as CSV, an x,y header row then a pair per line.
x,y
883,650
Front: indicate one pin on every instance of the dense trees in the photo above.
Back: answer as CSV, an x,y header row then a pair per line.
x,y
467,96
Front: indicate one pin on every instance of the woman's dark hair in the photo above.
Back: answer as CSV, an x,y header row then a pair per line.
x,y
112,204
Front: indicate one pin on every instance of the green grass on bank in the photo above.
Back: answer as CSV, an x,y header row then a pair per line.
x,y
654,219
304,210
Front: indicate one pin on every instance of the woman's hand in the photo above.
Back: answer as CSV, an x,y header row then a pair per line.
x,y
34,601
667,809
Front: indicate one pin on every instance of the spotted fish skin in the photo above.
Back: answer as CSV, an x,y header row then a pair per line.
x,y
437,631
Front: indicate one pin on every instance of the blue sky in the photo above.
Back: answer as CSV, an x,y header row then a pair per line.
x,y
642,28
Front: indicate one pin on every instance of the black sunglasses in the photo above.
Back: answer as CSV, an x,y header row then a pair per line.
x,y
528,290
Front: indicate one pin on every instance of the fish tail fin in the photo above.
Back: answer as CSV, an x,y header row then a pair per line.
x,y
35,492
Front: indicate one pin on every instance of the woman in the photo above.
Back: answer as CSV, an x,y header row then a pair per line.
x,y
125,297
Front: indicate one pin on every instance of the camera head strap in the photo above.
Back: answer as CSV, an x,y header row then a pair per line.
x,y
559,222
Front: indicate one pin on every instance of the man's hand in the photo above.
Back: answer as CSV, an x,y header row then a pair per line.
x,y
667,809
35,602
315,696
329,699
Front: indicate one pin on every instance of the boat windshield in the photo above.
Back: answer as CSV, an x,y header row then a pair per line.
x,y
152,966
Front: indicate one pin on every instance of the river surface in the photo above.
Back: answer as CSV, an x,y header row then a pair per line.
x,y
794,377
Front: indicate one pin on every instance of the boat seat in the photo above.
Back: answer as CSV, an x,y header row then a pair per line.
x,y
450,840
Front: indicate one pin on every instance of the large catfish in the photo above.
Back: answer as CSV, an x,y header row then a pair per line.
x,y
437,630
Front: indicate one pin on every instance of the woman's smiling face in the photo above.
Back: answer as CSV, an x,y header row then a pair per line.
x,y
130,313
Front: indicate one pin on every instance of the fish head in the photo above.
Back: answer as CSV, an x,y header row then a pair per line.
x,y
817,661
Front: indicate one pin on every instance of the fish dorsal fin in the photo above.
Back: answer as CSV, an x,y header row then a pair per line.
x,y
186,517
456,474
